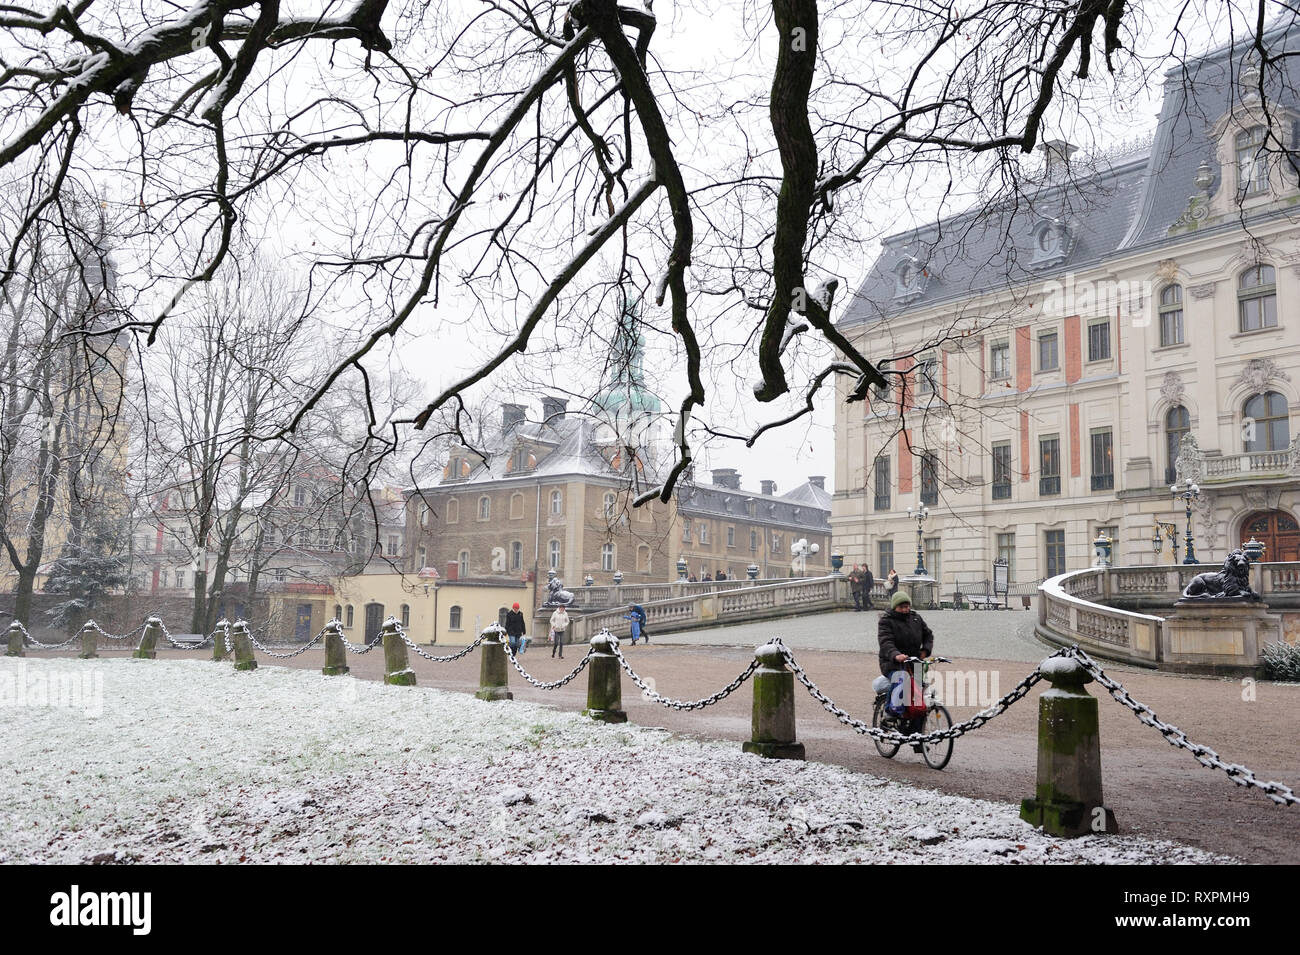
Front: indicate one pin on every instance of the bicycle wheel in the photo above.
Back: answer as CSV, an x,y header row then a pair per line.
x,y
937,753
885,749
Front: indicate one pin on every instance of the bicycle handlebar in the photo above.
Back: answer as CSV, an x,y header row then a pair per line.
x,y
927,660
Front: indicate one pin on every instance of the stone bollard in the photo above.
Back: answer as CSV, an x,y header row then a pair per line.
x,y
493,677
219,651
773,720
89,641
15,641
244,659
336,655
604,682
1067,799
397,666
148,648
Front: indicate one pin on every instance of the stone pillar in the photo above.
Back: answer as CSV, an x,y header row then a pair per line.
x,y
148,648
219,651
397,666
493,677
336,656
89,641
15,641
773,717
244,659
1067,800
604,682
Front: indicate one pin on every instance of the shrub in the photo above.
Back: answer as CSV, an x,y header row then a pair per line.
x,y
1281,661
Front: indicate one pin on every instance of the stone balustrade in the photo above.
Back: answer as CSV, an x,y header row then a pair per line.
x,y
739,604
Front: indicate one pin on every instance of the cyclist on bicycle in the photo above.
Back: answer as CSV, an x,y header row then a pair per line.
x,y
903,634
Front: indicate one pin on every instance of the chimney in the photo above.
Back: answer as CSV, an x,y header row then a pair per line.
x,y
818,481
553,410
768,487
726,477
453,570
1058,153
512,416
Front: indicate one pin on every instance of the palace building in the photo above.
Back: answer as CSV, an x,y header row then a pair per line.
x,y
1063,358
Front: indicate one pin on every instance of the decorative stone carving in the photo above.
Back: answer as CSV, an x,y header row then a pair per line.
x,y
1293,457
1198,204
1230,583
1209,529
1259,372
1202,291
1171,388
1190,465
1166,270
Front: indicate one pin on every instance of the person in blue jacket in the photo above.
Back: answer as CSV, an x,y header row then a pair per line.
x,y
636,613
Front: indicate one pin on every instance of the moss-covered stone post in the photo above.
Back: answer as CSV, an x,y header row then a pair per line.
x,y
15,648
336,655
89,641
773,718
244,659
604,682
148,648
219,651
397,666
1067,799
493,675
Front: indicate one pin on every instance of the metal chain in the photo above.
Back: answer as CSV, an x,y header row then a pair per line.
x,y
114,636
679,704
184,646
429,656
351,648
556,684
893,736
27,636
230,646
1278,792
287,656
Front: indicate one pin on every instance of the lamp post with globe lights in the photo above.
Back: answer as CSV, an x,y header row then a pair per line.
x,y
1189,491
919,515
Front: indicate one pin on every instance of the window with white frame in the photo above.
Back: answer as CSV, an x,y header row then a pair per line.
x,y
704,532
557,503
607,557
484,508
999,361
553,551
1099,340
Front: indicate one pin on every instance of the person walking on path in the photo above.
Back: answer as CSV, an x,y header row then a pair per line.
x,y
559,624
636,613
515,629
891,584
868,581
855,586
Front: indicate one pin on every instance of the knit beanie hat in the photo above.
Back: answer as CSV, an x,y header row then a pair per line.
x,y
901,597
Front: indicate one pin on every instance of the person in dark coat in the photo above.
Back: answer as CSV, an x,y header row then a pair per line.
x,y
515,628
868,581
855,586
902,634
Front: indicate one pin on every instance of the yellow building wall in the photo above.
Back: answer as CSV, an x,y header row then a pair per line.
x,y
479,603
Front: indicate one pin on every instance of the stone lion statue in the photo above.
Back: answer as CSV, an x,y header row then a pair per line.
x,y
1230,583
558,596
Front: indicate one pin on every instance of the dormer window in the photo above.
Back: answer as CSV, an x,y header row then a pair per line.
x,y
910,278
1252,162
1052,241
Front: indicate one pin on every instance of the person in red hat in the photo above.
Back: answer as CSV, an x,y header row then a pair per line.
x,y
515,629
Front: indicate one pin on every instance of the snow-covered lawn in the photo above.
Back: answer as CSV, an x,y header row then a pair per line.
x,y
191,761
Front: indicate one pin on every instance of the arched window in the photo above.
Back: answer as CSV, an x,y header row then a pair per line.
x,y
607,557
349,621
1265,426
1171,315
608,505
516,555
516,506
557,502
484,508
453,617
338,612
406,615
553,549
643,559
1257,298
1177,423
1252,162
453,510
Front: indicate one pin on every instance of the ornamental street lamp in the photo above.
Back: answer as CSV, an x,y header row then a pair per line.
x,y
1188,493
1170,531
919,515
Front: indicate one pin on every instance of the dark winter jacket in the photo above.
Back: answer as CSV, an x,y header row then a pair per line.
x,y
515,623
868,581
902,633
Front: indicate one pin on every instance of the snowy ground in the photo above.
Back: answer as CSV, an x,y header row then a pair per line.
x,y
190,761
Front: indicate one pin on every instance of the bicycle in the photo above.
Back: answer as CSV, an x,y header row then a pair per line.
x,y
936,753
